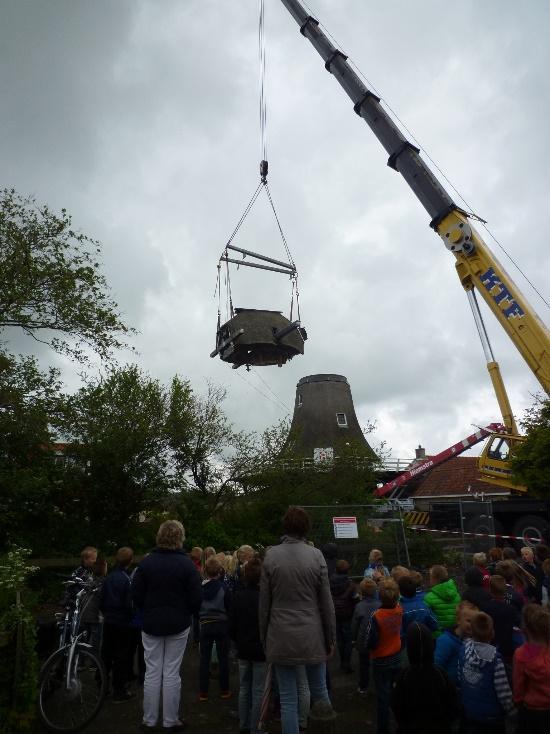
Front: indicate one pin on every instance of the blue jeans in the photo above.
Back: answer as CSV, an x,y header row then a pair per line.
x,y
251,690
287,679
384,674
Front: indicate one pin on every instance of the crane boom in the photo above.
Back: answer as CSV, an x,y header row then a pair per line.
x,y
423,466
476,265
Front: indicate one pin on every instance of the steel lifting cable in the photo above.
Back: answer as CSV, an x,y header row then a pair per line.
x,y
263,179
263,124
263,97
288,254
245,213
404,127
218,289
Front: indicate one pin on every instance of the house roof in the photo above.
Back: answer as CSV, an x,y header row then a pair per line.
x,y
457,477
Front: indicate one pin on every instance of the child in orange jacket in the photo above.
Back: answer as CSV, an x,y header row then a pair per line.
x,y
381,635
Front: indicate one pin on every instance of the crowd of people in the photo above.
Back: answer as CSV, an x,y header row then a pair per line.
x,y
439,659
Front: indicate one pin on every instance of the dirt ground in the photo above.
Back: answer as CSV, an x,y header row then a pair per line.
x,y
355,711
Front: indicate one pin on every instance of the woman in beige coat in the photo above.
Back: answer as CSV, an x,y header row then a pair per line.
x,y
297,623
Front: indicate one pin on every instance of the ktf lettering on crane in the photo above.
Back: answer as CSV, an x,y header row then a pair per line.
x,y
491,280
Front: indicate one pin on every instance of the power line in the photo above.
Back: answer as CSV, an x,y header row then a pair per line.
x,y
242,377
285,406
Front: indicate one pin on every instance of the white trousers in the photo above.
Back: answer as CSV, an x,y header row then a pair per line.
x,y
163,656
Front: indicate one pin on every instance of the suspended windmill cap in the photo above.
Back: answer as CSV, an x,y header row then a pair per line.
x,y
259,338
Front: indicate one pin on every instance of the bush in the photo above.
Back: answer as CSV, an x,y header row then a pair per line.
x,y
18,659
424,551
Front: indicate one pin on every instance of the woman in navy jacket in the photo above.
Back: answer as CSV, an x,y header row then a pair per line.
x,y
167,588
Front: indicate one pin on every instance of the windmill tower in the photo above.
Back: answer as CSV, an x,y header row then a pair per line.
x,y
324,419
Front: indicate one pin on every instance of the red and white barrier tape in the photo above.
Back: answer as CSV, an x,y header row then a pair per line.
x,y
475,535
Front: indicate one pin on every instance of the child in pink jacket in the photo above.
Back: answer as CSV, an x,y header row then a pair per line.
x,y
531,672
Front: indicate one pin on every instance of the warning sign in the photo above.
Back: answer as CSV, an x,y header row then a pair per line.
x,y
345,527
323,456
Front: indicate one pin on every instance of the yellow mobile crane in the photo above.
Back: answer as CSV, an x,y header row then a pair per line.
x,y
476,266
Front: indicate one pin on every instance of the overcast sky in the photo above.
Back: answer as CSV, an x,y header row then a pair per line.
x,y
140,117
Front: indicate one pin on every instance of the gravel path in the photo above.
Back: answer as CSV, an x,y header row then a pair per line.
x,y
356,712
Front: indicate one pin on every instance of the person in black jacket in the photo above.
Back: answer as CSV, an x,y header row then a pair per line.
x,y
424,700
330,553
344,596
116,607
244,630
167,588
475,593
534,590
506,621
216,600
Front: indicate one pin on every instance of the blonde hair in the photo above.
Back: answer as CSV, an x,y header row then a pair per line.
x,y
439,574
482,627
536,623
375,555
388,591
209,551
368,587
196,552
465,606
248,549
479,559
398,572
230,564
88,552
171,535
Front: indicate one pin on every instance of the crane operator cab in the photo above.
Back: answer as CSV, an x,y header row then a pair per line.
x,y
494,462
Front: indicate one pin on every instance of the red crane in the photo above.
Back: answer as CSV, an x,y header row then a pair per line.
x,y
441,458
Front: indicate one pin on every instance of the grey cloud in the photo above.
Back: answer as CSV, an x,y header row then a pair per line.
x,y
141,118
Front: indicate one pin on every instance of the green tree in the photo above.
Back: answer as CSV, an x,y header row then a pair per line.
x,y
531,459
51,284
284,480
120,462
30,403
214,462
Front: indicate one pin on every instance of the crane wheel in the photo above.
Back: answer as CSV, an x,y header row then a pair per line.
x,y
532,526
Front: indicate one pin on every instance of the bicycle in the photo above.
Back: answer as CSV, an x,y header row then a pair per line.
x,y
73,680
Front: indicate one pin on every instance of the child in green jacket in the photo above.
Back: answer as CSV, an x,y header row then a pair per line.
x,y
443,598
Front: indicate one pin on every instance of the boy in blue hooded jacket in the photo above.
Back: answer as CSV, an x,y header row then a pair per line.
x,y
414,609
449,643
486,694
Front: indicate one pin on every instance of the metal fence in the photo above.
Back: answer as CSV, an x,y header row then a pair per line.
x,y
465,526
357,529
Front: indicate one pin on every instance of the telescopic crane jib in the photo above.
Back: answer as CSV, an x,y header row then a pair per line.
x,y
477,267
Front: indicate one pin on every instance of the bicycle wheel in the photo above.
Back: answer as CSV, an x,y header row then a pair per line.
x,y
69,708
